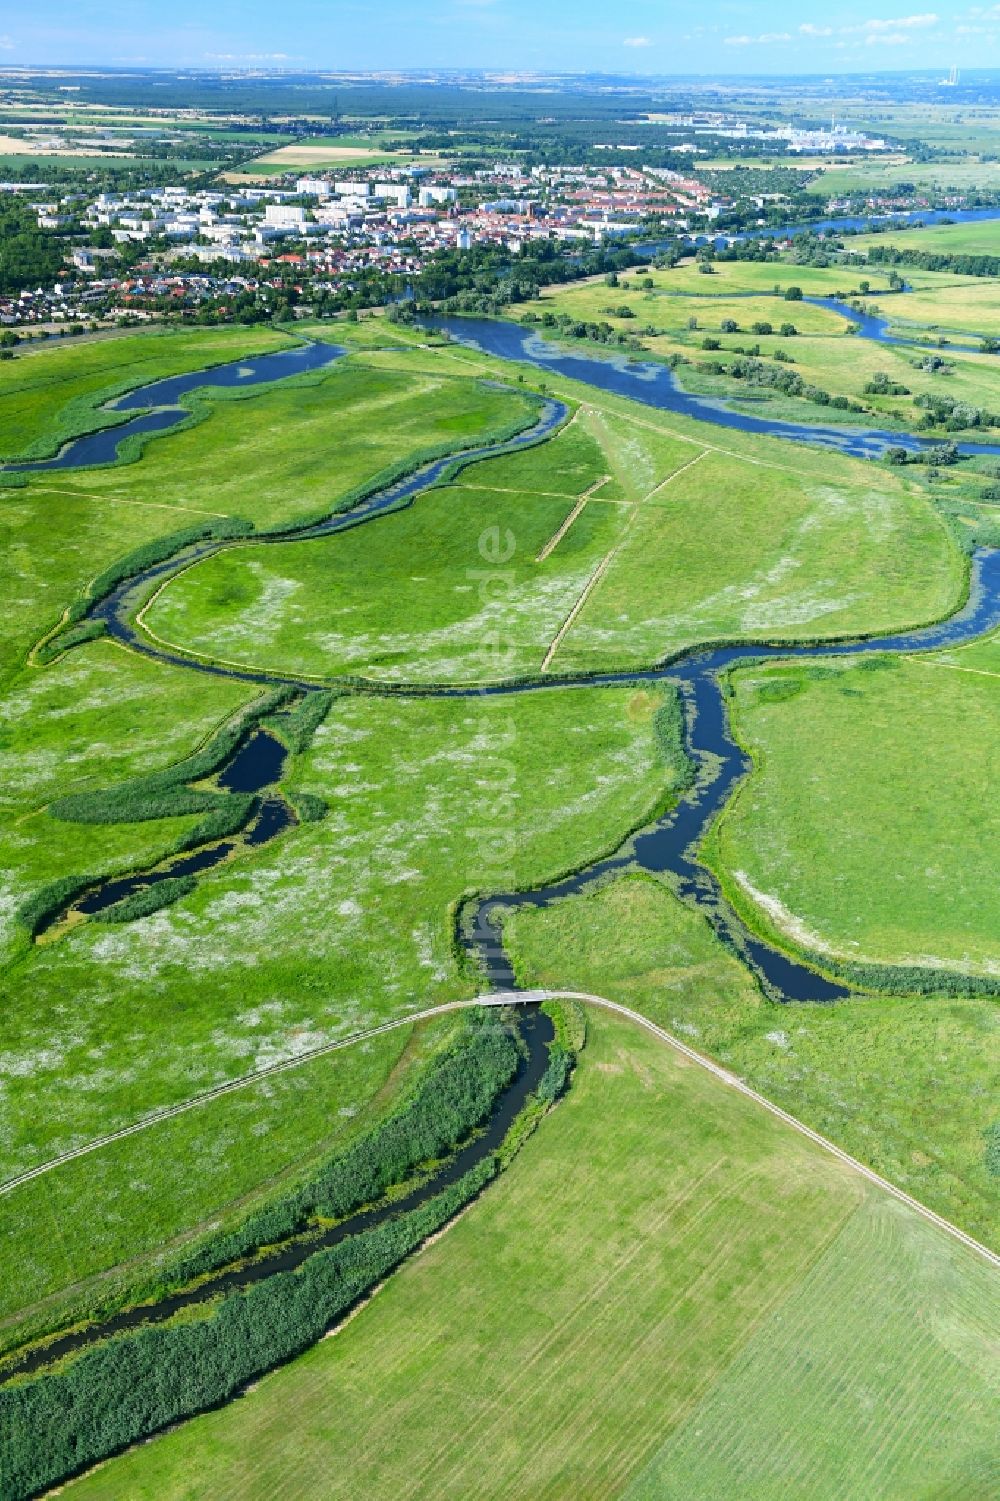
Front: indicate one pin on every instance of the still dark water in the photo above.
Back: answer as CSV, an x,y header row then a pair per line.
x,y
256,764
655,385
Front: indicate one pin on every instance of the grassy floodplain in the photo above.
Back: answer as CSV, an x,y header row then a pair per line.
x,y
306,444
416,806
976,237
53,392
338,924
344,922
907,1085
658,557
823,352
887,838
651,1339
146,1204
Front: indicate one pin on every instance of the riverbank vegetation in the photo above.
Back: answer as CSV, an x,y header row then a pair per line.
x,y
165,1370
907,1085
657,556
342,922
712,327
259,1141
628,535
56,391
590,1326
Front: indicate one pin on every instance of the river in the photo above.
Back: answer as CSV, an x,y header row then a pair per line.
x,y
669,846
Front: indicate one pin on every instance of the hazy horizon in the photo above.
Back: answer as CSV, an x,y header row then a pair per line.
x,y
720,38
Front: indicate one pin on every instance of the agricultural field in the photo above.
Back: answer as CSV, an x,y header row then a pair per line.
x,y
958,173
491,1390
977,237
906,1085
318,153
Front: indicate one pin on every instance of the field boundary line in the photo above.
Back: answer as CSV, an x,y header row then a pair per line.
x,y
979,672
567,521
676,475
521,998
670,432
581,600
128,500
605,563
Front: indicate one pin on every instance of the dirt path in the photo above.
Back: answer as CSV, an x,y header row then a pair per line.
x,y
560,533
605,563
520,998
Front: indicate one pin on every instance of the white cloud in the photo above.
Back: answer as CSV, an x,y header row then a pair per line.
x,y
763,40
902,23
7,44
637,41
248,57
879,29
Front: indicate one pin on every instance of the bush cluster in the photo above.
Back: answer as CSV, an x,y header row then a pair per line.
x,y
310,807
74,635
147,899
157,550
669,731
165,794
954,416
453,1098
299,725
881,385
580,328
56,1424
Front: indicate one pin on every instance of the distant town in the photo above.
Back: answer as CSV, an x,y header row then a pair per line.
x,y
142,251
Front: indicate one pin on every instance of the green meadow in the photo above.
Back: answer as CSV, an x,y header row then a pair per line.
x,y
336,925
655,556
978,237
409,597
887,838
682,309
906,1085
658,1337
53,391
293,452
590,1343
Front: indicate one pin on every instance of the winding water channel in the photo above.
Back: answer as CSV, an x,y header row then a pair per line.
x,y
669,846
536,1032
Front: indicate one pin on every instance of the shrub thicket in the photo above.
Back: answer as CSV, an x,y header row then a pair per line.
x,y
147,899
44,904
74,635
454,1097
299,725
57,1423
158,550
165,794
310,807
671,742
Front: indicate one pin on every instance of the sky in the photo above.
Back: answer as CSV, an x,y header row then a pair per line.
x,y
641,36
